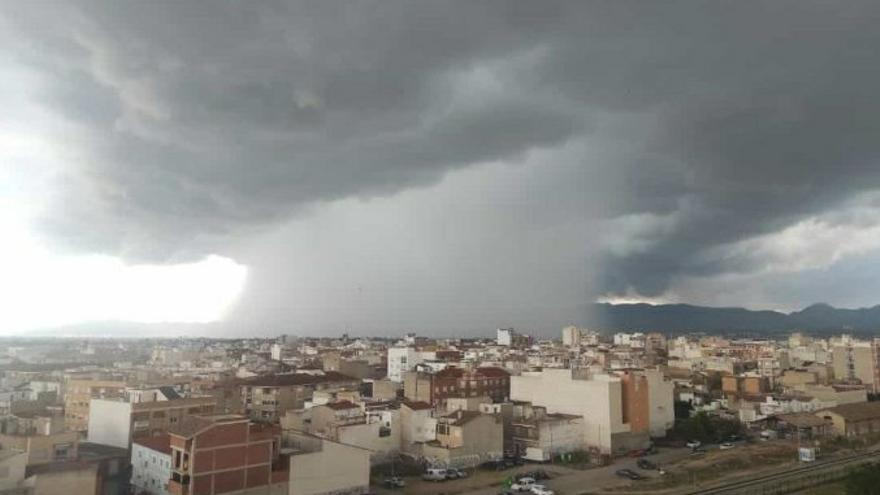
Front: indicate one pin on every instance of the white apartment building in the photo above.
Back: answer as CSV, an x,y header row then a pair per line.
x,y
598,399
151,465
504,337
276,351
684,348
403,359
636,339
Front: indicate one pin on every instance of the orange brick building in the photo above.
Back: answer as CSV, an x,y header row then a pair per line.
x,y
226,454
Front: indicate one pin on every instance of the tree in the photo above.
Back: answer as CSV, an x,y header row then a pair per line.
x,y
682,409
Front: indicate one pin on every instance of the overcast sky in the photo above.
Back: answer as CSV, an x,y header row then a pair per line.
x,y
443,167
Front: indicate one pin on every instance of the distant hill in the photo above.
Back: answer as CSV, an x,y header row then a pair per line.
x,y
673,318
124,330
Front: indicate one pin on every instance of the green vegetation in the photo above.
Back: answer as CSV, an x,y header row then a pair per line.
x,y
863,480
706,428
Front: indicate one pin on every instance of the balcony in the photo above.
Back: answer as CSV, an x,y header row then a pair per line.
x,y
178,484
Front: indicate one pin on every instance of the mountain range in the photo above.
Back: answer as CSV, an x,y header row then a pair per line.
x,y
677,318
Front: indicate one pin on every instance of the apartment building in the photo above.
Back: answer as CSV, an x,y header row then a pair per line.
x,y
226,454
117,421
854,360
151,465
319,466
597,397
376,429
647,399
40,436
267,398
466,439
538,436
78,396
436,388
404,359
417,424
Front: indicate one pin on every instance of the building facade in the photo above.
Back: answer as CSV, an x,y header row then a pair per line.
x,y
117,422
151,465
226,454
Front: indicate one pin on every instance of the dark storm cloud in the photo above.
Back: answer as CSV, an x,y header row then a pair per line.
x,y
200,124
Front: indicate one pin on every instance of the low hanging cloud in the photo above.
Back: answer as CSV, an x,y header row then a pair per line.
x,y
704,130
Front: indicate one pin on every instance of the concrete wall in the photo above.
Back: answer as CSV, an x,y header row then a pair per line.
x,y
827,394
40,449
385,389
12,470
416,426
367,436
82,480
336,468
561,437
661,400
110,423
477,441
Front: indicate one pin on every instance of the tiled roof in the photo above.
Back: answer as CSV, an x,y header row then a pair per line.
x,y
341,405
858,411
802,420
417,405
296,379
189,426
461,417
492,371
159,443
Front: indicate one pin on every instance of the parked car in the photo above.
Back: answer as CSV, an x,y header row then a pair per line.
x,y
523,484
434,474
727,445
454,473
646,464
698,451
542,490
693,444
628,473
538,475
394,482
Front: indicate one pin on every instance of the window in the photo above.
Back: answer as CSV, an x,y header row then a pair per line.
x,y
62,450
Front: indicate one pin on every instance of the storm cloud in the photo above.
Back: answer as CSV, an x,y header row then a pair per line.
x,y
660,146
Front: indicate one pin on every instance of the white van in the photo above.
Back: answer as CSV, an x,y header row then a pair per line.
x,y
523,485
434,474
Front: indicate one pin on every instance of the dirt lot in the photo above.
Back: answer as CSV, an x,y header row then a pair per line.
x,y
479,479
715,465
